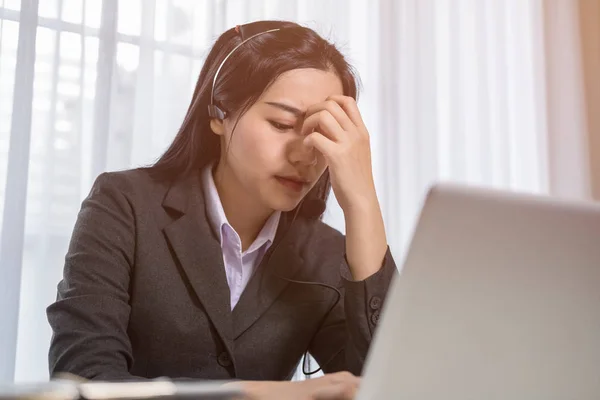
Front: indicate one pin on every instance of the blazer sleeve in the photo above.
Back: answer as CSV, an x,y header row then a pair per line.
x,y
90,316
353,320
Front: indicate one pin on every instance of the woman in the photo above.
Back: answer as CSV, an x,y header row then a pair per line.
x,y
213,263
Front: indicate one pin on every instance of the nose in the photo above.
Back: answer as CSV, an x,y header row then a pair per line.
x,y
302,154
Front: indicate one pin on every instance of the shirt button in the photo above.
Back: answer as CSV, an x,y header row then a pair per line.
x,y
375,303
224,360
375,318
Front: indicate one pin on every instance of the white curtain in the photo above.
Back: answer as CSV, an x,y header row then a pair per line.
x,y
486,92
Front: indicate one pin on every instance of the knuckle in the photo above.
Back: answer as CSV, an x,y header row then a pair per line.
x,y
335,377
347,99
330,104
311,119
346,375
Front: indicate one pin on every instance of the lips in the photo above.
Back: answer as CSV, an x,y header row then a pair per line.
x,y
293,183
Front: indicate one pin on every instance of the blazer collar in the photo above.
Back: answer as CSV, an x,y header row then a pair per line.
x,y
283,261
198,252
197,248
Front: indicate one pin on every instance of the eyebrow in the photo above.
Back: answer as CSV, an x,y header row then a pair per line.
x,y
285,107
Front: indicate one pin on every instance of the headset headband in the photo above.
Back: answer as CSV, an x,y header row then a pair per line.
x,y
213,110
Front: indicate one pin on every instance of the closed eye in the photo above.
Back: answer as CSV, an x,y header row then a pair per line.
x,y
281,127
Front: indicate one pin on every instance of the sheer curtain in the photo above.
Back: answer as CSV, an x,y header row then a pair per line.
x,y
485,92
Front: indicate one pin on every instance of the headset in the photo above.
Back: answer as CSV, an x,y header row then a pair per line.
x,y
215,111
312,208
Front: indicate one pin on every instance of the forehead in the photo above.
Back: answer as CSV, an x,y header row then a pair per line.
x,y
304,87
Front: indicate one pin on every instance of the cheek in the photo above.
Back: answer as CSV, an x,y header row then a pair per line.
x,y
254,147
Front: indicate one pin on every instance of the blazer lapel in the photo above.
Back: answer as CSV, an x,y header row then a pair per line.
x,y
281,261
199,254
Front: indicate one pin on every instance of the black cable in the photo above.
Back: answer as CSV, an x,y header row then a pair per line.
x,y
316,207
337,300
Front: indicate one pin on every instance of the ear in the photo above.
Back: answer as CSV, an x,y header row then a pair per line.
x,y
216,125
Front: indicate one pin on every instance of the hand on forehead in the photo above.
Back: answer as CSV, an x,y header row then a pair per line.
x,y
297,90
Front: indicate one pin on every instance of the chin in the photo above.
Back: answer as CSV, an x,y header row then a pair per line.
x,y
284,207
283,203
281,199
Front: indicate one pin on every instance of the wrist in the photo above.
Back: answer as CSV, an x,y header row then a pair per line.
x,y
361,211
366,241
360,203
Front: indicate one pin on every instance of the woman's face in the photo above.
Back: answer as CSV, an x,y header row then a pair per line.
x,y
264,161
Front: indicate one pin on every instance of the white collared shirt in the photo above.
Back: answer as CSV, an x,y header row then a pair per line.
x,y
239,265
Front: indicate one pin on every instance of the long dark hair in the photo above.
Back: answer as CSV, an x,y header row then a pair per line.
x,y
244,77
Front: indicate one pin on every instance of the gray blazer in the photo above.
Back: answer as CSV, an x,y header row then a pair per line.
x,y
144,293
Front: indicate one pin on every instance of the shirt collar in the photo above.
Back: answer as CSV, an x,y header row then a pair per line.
x,y
218,220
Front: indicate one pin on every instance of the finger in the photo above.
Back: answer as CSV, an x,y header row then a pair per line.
x,y
334,109
322,143
338,391
343,376
348,104
325,123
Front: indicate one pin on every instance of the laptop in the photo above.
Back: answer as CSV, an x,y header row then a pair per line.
x,y
498,298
